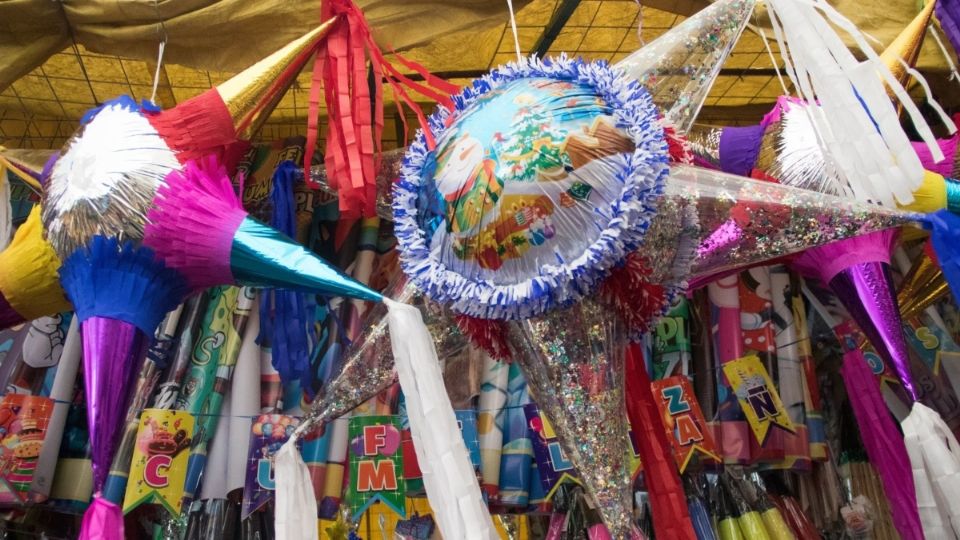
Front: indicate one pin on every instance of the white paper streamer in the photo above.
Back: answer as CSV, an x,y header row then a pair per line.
x,y
295,516
935,457
865,141
448,477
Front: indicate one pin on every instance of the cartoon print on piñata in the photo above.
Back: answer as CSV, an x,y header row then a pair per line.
x,y
539,183
495,192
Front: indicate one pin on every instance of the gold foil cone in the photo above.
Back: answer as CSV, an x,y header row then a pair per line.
x,y
907,44
28,272
921,288
252,94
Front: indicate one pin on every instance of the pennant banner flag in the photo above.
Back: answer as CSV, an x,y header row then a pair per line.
x,y
158,470
683,420
671,348
376,465
23,427
267,435
757,396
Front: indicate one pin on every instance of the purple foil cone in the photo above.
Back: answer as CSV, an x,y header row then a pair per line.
x,y
867,291
113,351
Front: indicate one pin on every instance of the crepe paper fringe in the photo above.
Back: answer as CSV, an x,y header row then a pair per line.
x,y
123,282
124,102
635,299
668,501
28,272
935,460
193,221
557,285
948,13
883,443
295,515
861,127
197,127
286,317
490,335
678,147
825,262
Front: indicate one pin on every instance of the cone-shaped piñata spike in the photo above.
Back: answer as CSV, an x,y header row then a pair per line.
x,y
923,285
574,360
29,284
858,272
679,67
120,293
198,226
906,46
237,108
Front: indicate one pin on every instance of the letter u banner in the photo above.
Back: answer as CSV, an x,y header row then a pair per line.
x,y
160,456
376,464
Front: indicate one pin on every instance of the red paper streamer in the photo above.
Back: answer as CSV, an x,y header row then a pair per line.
x,y
489,335
668,503
356,124
636,300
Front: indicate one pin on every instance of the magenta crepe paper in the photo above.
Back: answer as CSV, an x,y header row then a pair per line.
x,y
113,352
858,272
199,203
883,443
949,149
102,521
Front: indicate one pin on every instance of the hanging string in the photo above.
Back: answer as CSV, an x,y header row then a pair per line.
x,y
163,45
513,26
946,55
640,24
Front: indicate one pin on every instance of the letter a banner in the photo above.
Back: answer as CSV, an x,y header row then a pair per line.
x,y
376,465
683,420
159,465
758,396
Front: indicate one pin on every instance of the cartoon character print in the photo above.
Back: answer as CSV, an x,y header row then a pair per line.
x,y
156,439
44,342
467,181
525,221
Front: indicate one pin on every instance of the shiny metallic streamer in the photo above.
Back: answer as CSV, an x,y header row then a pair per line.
x,y
88,195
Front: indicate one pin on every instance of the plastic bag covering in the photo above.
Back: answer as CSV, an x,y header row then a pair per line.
x,y
709,222
574,360
679,67
537,186
368,367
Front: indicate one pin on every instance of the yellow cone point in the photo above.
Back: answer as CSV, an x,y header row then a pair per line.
x,y
252,94
907,45
28,272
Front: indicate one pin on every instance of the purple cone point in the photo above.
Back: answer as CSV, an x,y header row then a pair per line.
x,y
113,351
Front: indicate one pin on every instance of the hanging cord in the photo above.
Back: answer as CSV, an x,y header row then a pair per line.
x,y
163,45
932,29
640,24
513,26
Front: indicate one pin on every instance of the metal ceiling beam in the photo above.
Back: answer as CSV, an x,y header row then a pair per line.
x,y
556,24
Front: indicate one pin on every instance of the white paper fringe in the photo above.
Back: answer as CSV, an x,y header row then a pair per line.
x,y
448,476
935,458
859,125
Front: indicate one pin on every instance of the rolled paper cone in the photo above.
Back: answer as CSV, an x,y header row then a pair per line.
x,y
244,402
62,395
493,399
727,346
671,518
790,369
168,392
517,453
